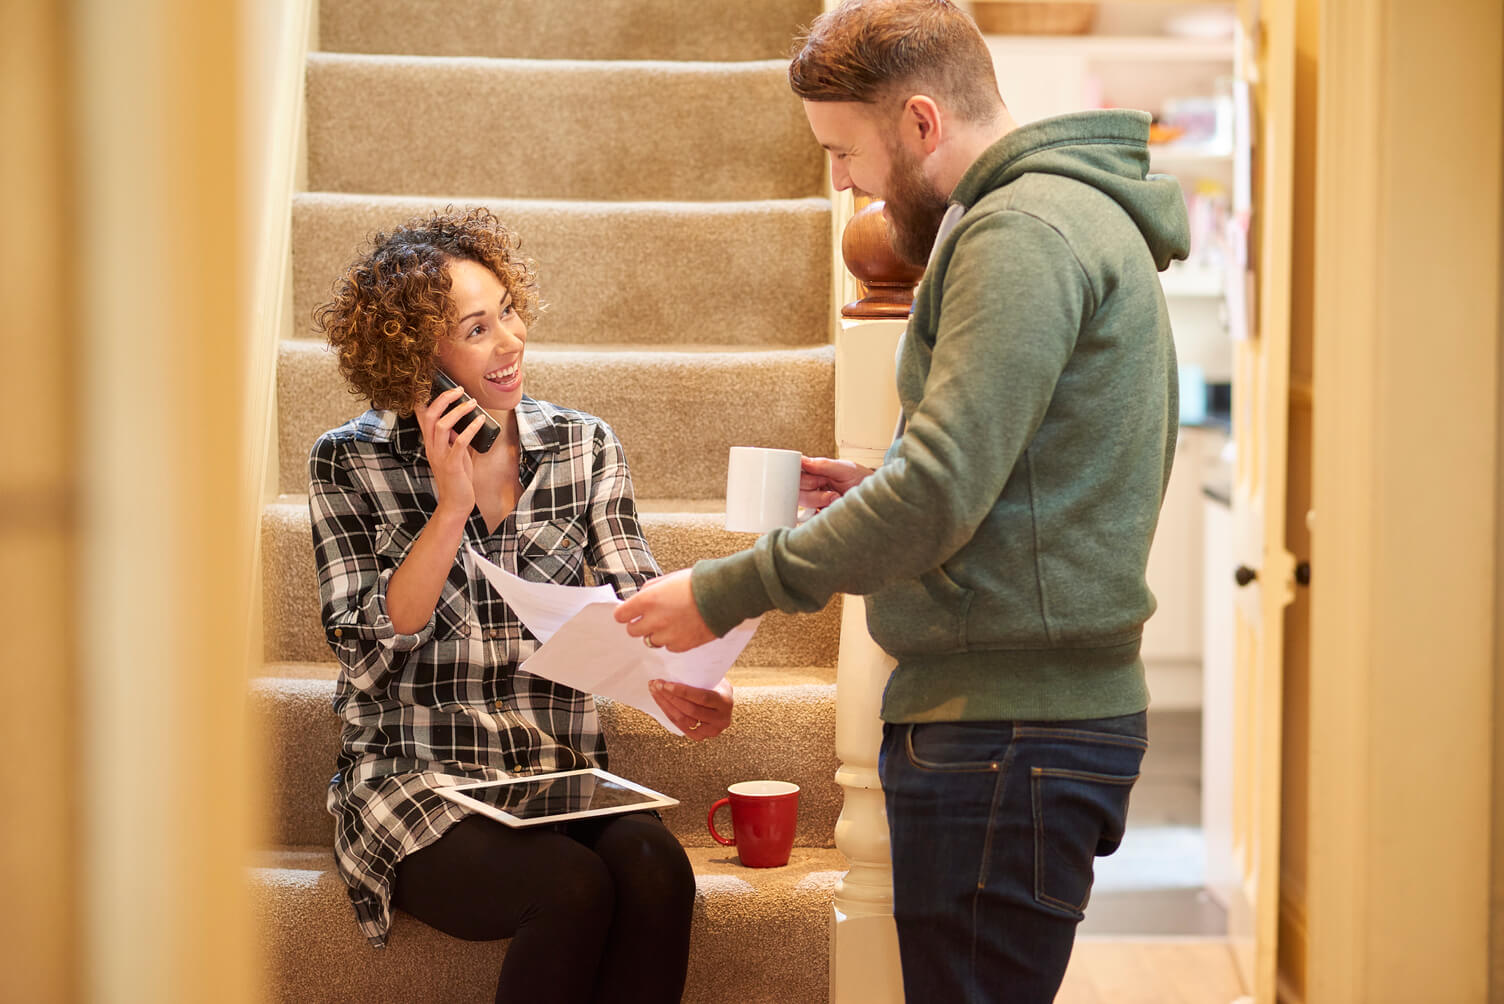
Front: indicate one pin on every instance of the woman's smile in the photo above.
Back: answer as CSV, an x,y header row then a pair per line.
x,y
508,377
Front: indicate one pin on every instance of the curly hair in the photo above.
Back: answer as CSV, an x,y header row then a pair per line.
x,y
392,305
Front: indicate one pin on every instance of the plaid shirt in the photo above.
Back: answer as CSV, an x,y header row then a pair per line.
x,y
448,704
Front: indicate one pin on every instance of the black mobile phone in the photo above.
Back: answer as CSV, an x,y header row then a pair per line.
x,y
490,429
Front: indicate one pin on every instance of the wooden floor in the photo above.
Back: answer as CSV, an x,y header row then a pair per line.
x,y
1128,970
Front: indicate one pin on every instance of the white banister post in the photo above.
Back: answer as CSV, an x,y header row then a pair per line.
x,y
864,966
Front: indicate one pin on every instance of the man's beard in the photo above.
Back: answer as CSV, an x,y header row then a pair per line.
x,y
915,209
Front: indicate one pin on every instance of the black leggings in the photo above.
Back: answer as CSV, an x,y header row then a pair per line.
x,y
597,910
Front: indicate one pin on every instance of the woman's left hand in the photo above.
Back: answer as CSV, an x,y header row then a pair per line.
x,y
700,713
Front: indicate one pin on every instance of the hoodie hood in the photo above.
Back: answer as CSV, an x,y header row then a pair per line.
x,y
1108,150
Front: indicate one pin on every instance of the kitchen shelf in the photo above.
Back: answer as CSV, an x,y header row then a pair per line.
x,y
1190,153
1042,75
1192,162
1191,281
1121,48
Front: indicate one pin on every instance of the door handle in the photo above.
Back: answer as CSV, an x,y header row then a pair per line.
x,y
1245,575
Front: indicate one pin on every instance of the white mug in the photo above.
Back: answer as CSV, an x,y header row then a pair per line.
x,y
762,489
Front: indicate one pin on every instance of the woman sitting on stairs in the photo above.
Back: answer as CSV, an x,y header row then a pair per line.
x,y
429,689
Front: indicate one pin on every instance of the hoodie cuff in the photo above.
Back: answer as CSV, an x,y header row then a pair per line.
x,y
728,591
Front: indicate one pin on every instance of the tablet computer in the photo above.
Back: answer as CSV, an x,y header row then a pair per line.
x,y
536,799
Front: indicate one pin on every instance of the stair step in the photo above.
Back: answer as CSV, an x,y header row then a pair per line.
x,y
294,632
676,412
579,29
609,267
783,729
764,931
558,129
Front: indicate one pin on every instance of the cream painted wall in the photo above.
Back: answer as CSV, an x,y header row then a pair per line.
x,y
275,38
1406,482
1496,912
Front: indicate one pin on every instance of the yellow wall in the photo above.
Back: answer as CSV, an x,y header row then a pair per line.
x,y
125,546
38,513
1496,913
1295,810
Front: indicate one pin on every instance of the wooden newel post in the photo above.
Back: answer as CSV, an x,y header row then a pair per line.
x,y
887,279
864,965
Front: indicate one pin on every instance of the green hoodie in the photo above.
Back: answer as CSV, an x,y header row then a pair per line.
x,y
1002,544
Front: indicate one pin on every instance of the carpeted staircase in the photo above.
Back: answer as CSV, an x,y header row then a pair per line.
x,y
658,168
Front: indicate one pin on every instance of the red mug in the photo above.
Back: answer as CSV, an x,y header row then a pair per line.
x,y
763,815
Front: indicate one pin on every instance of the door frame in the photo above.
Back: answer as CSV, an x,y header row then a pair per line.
x,y
1405,500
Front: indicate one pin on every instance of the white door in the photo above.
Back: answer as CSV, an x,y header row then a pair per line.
x,y
1265,572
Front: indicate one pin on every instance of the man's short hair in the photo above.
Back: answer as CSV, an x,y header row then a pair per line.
x,y
875,51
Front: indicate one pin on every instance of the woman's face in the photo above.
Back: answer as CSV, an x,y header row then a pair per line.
x,y
483,352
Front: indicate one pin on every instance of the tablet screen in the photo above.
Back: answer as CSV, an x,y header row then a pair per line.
x,y
557,794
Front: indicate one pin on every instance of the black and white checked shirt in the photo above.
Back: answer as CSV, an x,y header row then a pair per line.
x,y
449,704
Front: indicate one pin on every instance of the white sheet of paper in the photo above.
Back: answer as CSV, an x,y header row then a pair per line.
x,y
543,606
582,646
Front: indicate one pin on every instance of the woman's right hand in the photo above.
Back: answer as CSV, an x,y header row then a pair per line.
x,y
823,480
448,453
419,579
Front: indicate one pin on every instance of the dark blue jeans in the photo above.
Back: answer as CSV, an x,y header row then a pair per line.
x,y
995,827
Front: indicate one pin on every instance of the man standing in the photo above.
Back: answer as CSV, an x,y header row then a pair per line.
x,y
1002,544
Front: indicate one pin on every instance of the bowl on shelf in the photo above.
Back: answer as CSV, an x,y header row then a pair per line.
x,y
1159,133
1012,17
1207,23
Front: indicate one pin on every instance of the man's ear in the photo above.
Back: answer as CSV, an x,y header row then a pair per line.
x,y
921,122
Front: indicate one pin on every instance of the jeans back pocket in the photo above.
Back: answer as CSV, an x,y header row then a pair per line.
x,y
1078,816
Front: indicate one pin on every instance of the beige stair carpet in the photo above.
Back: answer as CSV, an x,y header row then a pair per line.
x,y
293,631
742,274
784,728
546,129
760,936
662,175
567,29
677,412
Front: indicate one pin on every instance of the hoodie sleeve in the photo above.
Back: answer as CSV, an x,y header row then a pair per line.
x,y
1012,304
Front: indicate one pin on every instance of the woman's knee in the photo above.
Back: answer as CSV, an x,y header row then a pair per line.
x,y
647,862
584,891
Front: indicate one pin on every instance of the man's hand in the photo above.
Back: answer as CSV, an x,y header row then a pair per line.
x,y
822,480
664,614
